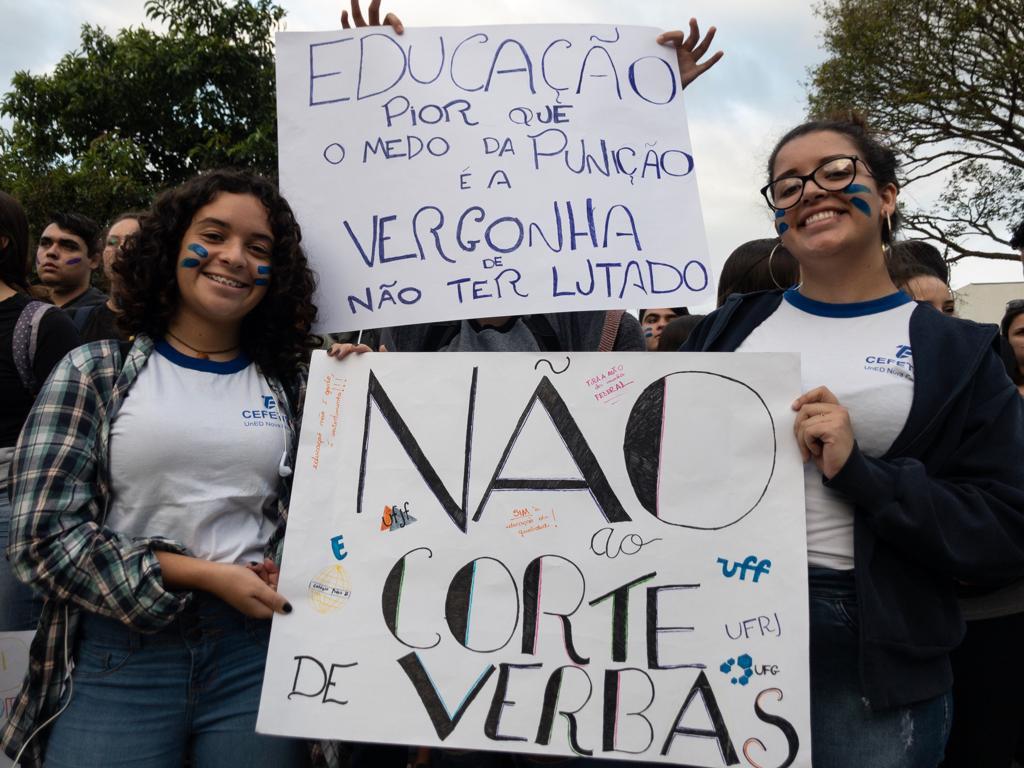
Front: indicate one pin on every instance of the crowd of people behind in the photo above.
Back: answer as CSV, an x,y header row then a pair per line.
x,y
143,550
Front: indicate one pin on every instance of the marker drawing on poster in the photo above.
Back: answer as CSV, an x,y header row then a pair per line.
x,y
477,172
485,552
14,648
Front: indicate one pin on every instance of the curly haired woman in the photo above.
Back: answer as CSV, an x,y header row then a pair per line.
x,y
149,486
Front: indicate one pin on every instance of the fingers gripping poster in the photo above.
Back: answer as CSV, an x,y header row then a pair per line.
x,y
454,173
590,554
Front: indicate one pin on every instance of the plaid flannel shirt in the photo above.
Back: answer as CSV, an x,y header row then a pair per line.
x,y
60,494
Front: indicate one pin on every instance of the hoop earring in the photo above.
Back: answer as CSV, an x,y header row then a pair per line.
x,y
771,273
887,250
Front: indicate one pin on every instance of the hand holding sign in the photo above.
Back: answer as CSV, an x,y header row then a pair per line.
x,y
503,171
823,430
357,17
689,51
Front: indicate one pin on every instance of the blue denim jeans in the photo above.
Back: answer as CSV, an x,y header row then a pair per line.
x,y
845,731
148,701
19,607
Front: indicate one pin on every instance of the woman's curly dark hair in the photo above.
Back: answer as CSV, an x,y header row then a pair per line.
x,y
275,334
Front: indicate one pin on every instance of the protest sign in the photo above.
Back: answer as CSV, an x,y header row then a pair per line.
x,y
577,554
13,667
479,172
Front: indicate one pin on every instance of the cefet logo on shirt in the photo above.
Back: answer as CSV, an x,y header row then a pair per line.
x,y
901,363
265,415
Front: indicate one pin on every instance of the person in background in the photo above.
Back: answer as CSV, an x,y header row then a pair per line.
x,y
149,510
924,253
99,321
1017,241
912,438
1012,327
675,334
986,727
917,276
23,369
757,265
653,321
67,253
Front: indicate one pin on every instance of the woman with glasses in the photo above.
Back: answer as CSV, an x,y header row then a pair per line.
x,y
912,437
99,321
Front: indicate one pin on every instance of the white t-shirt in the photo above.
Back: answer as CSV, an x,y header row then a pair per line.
x,y
194,455
862,353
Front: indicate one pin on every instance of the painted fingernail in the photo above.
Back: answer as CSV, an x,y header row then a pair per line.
x,y
253,562
190,263
198,250
287,607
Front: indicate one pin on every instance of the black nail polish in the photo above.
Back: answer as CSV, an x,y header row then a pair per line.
x,y
287,607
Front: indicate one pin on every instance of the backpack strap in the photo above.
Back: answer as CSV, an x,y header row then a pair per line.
x,y
26,338
610,330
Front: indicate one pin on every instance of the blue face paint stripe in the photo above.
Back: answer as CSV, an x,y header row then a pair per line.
x,y
263,269
783,227
261,281
198,250
861,205
190,263
855,188
779,214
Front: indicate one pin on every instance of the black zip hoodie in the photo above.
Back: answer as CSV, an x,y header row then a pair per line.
x,y
944,505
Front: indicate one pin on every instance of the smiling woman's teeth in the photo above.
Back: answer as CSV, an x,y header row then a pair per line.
x,y
820,216
226,281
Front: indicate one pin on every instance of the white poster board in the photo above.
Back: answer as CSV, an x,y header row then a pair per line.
x,y
478,172
14,647
593,552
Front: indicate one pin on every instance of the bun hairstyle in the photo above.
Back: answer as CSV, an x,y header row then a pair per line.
x,y
879,157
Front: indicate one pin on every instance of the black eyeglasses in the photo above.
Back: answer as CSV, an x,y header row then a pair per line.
x,y
832,175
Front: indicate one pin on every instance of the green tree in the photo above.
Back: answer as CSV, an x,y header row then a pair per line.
x,y
945,80
124,117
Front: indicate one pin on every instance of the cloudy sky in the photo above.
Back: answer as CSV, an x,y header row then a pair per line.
x,y
735,112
